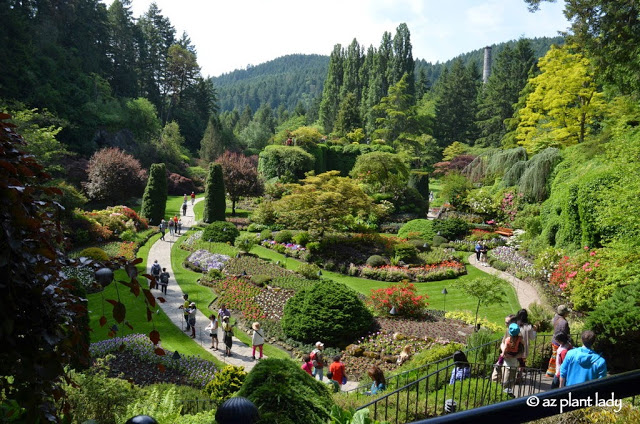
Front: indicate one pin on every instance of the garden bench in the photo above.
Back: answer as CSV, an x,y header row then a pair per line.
x,y
507,232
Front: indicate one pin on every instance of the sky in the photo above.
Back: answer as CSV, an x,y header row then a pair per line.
x,y
230,35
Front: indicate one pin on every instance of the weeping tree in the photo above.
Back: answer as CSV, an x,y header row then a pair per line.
x,y
214,197
534,183
512,176
502,160
154,200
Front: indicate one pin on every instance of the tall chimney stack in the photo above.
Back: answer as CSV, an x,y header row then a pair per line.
x,y
486,69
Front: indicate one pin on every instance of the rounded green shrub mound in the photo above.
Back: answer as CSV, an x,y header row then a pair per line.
x,y
309,271
417,228
438,240
266,234
616,322
327,311
451,228
285,394
283,236
220,232
405,252
376,261
225,383
245,242
94,253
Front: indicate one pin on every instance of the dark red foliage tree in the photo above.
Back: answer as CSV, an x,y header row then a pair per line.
x,y
456,164
179,185
114,176
240,177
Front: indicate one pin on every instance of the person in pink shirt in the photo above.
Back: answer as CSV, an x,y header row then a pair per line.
x,y
307,365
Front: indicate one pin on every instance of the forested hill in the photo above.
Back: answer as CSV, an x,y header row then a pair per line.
x,y
299,78
285,81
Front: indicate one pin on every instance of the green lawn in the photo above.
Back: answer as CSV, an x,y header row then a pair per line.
x,y
436,187
173,338
456,300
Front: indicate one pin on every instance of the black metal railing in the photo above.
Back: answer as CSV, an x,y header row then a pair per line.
x,y
437,393
612,390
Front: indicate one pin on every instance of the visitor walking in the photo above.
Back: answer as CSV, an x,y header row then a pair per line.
x,y
171,227
223,312
155,272
185,198
184,208
337,370
227,328
212,328
179,228
185,308
560,325
193,198
528,333
512,348
582,364
257,340
478,248
484,250
317,359
162,227
564,347
192,318
164,280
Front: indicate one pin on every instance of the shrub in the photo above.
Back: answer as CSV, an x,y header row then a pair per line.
x,y
114,175
245,242
225,383
177,185
420,228
540,317
313,246
428,356
451,228
616,322
94,253
309,271
221,232
376,261
438,240
302,238
128,235
154,199
329,311
285,394
405,252
214,197
261,280
288,163
403,297
283,236
265,234
256,228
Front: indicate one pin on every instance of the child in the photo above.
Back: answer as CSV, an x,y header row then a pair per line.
x,y
335,387
512,348
337,370
212,328
379,382
564,347
462,369
307,365
257,340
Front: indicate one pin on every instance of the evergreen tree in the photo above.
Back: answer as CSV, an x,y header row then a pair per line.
x,y
352,65
497,99
457,91
422,83
214,195
213,140
402,61
397,112
122,49
348,115
154,199
331,91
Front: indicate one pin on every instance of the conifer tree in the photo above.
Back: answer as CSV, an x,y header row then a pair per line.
x,y
331,91
154,200
214,195
213,143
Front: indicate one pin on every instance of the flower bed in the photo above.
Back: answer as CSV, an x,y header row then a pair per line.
x,y
516,262
238,294
441,271
288,249
203,260
254,266
197,370
470,245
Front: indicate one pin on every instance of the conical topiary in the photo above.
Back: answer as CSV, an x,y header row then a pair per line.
x,y
214,195
154,200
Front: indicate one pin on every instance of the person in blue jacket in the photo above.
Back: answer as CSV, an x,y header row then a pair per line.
x,y
582,364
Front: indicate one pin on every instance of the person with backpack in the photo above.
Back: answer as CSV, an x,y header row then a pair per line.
x,y
155,272
162,227
164,281
564,347
227,328
179,225
317,359
257,340
512,348
184,208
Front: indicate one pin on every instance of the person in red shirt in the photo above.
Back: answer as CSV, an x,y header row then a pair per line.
x,y
337,369
193,197
307,365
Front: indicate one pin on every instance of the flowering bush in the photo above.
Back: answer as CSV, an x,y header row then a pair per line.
x,y
403,297
577,277
516,262
440,271
203,260
198,371
509,205
127,250
85,276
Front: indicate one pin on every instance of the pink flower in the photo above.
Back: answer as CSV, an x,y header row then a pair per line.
x,y
593,253
586,264
586,248
571,275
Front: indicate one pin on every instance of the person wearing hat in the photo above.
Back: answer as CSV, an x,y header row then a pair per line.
x,y
257,340
560,325
317,358
512,348
192,318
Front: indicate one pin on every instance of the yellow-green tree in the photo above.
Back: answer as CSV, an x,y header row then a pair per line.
x,y
563,103
325,202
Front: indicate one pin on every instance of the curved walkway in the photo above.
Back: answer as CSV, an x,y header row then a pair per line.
x,y
161,250
526,293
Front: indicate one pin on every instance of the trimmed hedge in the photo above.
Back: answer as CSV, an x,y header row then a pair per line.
x,y
154,199
417,228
